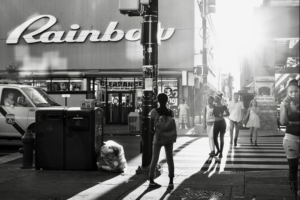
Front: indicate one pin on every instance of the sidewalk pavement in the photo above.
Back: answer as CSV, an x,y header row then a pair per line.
x,y
16,183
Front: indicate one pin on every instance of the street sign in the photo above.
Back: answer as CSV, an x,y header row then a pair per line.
x,y
66,95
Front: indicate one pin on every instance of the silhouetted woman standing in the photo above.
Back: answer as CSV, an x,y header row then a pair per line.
x,y
159,141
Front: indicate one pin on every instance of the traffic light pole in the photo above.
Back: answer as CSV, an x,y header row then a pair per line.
x,y
149,41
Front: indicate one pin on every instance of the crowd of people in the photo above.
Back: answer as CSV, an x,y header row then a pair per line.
x,y
215,125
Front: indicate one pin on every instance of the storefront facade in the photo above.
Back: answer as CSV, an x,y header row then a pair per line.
x,y
76,50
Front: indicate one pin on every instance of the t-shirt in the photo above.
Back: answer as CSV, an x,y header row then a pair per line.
x,y
210,114
235,110
183,109
219,109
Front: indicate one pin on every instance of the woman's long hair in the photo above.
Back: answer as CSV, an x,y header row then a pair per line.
x,y
256,105
162,98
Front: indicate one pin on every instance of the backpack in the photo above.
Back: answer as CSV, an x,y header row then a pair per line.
x,y
165,129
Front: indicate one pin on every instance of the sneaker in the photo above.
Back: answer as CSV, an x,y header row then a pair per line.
x,y
186,127
154,185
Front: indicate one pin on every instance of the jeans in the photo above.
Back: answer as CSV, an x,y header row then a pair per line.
x,y
155,156
236,125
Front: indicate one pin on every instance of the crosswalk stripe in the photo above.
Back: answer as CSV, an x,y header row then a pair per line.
x,y
268,155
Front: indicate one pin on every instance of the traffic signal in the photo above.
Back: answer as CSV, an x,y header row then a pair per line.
x,y
130,7
210,6
200,70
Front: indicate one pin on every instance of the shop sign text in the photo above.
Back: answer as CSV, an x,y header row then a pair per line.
x,y
42,35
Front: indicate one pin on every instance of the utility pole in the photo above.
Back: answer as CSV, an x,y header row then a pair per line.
x,y
150,42
206,7
204,56
148,9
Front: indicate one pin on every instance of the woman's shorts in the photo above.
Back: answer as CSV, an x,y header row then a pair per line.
x,y
291,146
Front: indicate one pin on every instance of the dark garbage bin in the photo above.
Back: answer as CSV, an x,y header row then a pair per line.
x,y
68,138
49,137
83,137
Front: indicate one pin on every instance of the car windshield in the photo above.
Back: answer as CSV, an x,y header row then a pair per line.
x,y
39,97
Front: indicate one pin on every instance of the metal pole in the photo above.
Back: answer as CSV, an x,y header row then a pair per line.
x,y
149,41
204,56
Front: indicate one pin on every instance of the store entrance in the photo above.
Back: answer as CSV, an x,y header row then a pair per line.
x,y
119,105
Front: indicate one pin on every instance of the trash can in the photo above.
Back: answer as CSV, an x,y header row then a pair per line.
x,y
49,138
84,133
134,122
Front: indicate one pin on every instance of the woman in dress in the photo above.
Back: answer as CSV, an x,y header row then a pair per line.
x,y
290,117
219,124
254,121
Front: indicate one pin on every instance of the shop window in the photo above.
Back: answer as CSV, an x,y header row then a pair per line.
x,y
78,84
60,85
44,84
100,91
170,87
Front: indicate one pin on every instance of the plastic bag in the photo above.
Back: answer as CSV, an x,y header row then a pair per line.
x,y
111,157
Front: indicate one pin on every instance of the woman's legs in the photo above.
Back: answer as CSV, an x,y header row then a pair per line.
x,y
255,135
293,175
251,133
216,131
154,160
170,161
291,148
222,133
210,134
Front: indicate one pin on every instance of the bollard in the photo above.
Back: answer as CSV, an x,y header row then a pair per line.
x,y
27,150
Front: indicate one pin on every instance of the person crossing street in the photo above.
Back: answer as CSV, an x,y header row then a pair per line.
x,y
235,108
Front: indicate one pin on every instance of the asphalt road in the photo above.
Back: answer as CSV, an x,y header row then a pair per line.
x,y
9,146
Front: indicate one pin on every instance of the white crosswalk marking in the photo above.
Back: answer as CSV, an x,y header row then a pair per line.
x,y
193,153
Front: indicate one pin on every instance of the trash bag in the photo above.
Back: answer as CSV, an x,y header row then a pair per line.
x,y
111,157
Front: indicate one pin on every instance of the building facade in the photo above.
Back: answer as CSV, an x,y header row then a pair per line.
x,y
86,49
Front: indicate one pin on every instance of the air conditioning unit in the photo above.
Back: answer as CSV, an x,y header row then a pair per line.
x,y
134,122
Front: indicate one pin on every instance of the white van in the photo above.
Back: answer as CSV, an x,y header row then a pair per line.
x,y
18,104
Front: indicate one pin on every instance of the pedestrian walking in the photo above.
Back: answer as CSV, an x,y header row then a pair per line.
x,y
219,124
209,121
290,117
253,121
183,118
235,108
165,135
